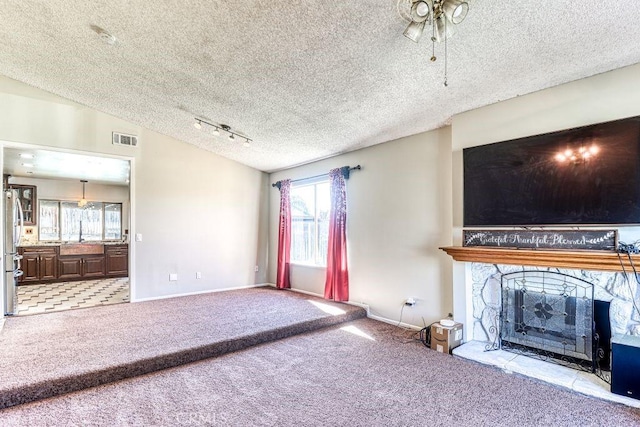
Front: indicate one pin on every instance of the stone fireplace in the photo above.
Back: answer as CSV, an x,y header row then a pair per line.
x,y
478,279
485,298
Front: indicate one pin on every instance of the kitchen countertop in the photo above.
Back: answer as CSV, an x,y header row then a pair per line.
x,y
106,243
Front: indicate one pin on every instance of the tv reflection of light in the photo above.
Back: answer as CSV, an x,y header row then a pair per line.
x,y
582,155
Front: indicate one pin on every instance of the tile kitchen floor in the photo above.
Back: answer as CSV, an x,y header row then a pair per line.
x,y
46,298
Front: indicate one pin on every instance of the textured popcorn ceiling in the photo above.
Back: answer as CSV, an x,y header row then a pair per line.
x,y
304,79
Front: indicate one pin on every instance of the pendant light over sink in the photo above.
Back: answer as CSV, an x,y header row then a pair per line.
x,y
83,202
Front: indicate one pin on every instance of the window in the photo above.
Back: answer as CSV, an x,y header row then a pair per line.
x,y
61,220
310,206
113,221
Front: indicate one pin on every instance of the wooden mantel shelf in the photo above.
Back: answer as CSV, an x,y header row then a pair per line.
x,y
582,260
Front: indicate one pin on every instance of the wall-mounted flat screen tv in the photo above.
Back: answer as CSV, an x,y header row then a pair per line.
x,y
582,176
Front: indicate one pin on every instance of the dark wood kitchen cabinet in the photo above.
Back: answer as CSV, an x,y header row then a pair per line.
x,y
47,264
70,268
93,266
39,263
117,260
81,267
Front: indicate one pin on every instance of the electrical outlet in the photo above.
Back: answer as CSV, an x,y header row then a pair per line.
x,y
410,302
173,277
257,269
198,275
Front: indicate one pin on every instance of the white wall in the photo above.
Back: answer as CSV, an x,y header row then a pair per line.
x,y
399,213
195,210
605,97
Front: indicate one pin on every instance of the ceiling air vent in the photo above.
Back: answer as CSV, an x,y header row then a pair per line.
x,y
124,139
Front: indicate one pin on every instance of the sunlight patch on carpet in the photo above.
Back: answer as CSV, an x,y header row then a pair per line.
x,y
329,309
357,331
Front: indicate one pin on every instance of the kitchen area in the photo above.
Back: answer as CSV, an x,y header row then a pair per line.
x,y
66,231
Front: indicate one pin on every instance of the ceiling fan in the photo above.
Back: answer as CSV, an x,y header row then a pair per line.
x,y
442,15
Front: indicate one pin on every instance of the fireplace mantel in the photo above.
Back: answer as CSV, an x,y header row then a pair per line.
x,y
581,260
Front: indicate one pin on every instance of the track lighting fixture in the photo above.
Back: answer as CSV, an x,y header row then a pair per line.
x,y
218,129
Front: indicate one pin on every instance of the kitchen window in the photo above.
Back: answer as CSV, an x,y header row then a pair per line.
x,y
65,221
310,207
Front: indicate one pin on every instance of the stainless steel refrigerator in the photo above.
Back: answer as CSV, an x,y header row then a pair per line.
x,y
14,225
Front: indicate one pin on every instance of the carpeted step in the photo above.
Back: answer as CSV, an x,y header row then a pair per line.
x,y
48,355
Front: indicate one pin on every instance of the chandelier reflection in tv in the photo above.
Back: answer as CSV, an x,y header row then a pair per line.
x,y
581,155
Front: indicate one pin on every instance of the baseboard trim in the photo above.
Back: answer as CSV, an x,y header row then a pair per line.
x,y
313,294
393,322
367,308
209,291
357,304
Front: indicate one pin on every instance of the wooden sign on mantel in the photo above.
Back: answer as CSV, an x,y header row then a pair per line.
x,y
594,240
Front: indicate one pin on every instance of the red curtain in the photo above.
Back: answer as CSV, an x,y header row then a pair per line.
x,y
336,286
284,236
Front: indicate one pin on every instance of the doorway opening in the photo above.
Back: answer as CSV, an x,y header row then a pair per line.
x,y
66,220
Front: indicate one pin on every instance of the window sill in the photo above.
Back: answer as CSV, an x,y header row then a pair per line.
x,y
302,264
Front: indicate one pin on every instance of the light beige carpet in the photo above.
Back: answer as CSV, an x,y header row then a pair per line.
x,y
49,354
362,373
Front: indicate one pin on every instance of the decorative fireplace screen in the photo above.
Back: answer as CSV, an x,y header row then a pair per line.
x,y
550,315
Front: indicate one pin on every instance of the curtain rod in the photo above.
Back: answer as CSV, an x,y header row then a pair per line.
x,y
348,168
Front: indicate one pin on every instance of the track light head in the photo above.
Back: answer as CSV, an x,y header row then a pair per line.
x,y
197,124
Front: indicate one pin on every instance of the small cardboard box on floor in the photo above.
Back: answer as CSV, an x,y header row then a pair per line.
x,y
445,338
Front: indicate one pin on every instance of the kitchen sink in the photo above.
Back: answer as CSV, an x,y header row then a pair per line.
x,y
81,249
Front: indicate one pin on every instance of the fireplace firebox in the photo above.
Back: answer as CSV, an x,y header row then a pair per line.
x,y
549,315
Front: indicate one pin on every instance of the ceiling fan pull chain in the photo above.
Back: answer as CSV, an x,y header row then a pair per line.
x,y
445,55
433,42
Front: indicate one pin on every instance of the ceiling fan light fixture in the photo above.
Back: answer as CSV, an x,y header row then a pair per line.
x,y
443,15
443,29
414,31
422,8
455,10
420,11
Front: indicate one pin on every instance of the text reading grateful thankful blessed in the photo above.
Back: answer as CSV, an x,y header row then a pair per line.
x,y
540,239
